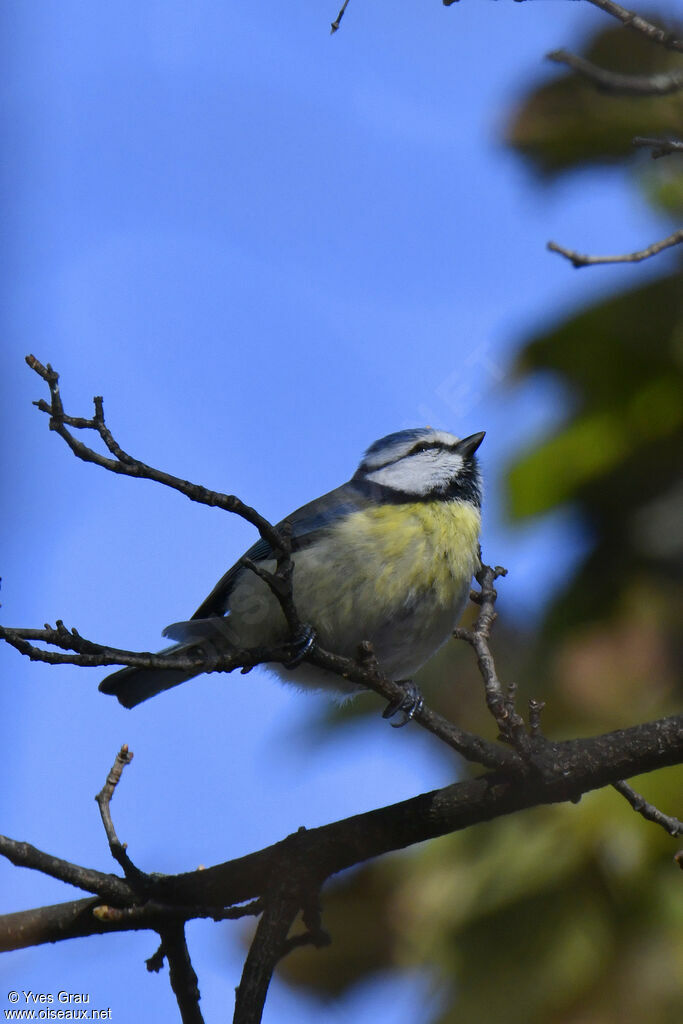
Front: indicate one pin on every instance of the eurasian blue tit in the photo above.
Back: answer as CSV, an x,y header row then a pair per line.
x,y
388,558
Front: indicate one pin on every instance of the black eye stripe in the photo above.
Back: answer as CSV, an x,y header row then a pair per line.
x,y
421,446
425,446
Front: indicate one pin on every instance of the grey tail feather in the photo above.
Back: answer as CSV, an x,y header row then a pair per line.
x,y
131,686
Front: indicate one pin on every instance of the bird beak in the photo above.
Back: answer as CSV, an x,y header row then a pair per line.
x,y
468,445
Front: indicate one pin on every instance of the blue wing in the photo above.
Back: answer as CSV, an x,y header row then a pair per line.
x,y
306,525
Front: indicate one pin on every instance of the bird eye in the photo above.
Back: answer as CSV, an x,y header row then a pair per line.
x,y
423,447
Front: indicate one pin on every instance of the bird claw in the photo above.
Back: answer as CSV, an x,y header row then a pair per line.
x,y
305,641
408,703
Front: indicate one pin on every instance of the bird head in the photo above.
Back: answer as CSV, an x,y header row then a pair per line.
x,y
424,463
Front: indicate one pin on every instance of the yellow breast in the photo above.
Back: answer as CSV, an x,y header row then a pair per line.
x,y
396,575
415,546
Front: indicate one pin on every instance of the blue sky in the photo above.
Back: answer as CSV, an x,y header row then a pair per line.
x,y
265,247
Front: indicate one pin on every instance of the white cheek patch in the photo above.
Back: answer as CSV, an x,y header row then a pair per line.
x,y
431,470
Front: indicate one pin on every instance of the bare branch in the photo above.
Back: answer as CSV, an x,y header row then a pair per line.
x,y
181,973
582,260
473,748
672,825
266,950
92,655
637,23
629,19
89,654
152,914
126,465
660,84
660,147
47,924
337,21
133,874
92,917
560,771
315,935
108,887
535,772
499,702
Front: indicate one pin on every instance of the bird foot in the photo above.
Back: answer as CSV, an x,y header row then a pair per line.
x,y
408,704
302,644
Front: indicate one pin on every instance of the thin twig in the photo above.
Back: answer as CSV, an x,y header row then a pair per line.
x,y
672,825
118,849
581,260
108,887
126,465
535,710
280,585
89,655
637,23
499,701
661,83
660,147
337,21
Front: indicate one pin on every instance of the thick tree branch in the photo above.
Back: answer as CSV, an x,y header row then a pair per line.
x,y
558,772
535,772
54,923
181,972
268,946
92,917
272,941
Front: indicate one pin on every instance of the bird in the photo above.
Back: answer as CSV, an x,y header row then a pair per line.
x,y
387,558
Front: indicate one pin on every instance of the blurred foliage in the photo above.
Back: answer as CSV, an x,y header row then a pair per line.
x,y
567,124
567,914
